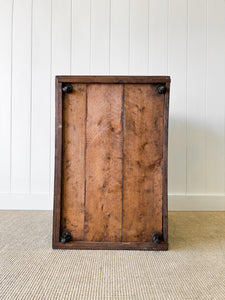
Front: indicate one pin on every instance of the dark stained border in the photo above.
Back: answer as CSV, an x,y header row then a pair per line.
x,y
58,163
112,246
113,79
165,165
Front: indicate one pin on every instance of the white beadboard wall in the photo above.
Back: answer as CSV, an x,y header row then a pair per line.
x,y
181,38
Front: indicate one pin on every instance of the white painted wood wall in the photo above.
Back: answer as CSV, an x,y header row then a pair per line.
x,y
181,38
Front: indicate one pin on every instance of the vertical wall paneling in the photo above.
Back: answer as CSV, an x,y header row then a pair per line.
x,y
196,77
80,37
181,38
61,37
60,59
21,96
215,102
177,43
139,32
40,124
119,38
158,39
5,103
100,32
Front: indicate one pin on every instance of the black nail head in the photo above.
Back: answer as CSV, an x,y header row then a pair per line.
x,y
161,89
68,88
66,237
157,237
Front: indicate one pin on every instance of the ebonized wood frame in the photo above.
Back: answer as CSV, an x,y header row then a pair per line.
x,y
59,81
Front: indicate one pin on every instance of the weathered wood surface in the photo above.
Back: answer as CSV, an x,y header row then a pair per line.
x,y
103,163
113,163
114,79
165,164
112,245
73,165
58,164
143,154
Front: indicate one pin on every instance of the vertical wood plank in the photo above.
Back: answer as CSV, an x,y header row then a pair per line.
x,y
196,77
158,37
119,38
177,48
143,145
104,163
80,37
74,130
215,106
100,32
21,96
139,34
60,59
5,104
41,91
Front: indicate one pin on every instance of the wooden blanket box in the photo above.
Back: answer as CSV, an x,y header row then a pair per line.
x,y
111,137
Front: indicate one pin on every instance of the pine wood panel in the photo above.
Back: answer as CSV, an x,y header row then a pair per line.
x,y
143,146
74,119
103,163
113,192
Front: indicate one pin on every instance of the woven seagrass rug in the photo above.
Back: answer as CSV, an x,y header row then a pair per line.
x,y
193,268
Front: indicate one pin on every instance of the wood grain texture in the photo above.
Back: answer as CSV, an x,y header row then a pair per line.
x,y
104,163
111,163
112,246
73,185
143,154
165,165
113,79
58,164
